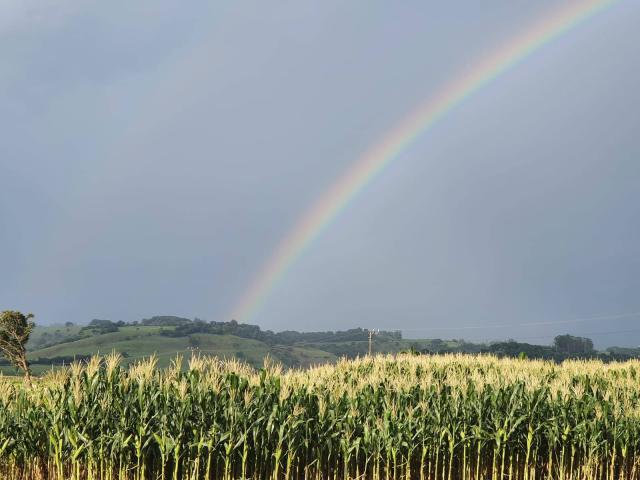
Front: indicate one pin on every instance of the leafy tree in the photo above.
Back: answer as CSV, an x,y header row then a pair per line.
x,y
102,326
15,328
571,344
166,321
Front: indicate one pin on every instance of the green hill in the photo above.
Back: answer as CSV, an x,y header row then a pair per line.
x,y
140,341
169,336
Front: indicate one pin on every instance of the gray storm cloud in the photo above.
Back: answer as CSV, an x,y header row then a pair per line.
x,y
154,154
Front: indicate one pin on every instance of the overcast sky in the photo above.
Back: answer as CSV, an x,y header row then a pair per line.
x,y
153,154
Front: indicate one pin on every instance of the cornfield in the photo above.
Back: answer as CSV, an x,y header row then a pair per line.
x,y
402,417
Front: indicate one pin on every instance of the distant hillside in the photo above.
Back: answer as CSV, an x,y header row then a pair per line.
x,y
138,342
168,336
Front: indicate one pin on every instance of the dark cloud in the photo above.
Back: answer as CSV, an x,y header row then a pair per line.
x,y
154,154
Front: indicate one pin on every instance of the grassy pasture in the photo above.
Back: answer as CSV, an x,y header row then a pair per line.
x,y
140,342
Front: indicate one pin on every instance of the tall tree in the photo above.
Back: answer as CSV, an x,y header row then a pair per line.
x,y
15,328
571,344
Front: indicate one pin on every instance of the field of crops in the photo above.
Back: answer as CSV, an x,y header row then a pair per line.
x,y
441,418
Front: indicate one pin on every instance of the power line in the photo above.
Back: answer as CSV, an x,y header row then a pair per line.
x,y
526,324
610,332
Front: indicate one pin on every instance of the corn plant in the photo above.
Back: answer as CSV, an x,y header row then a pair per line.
x,y
386,417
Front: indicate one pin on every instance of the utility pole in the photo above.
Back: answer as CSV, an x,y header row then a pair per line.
x,y
372,332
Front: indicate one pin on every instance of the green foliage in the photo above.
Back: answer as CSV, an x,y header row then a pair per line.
x,y
624,351
165,321
45,335
168,335
144,341
571,344
15,328
103,326
405,417
565,347
287,337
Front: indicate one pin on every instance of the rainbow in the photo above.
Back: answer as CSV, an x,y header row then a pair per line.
x,y
374,160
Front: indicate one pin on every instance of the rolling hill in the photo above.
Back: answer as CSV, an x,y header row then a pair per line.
x,y
167,337
138,342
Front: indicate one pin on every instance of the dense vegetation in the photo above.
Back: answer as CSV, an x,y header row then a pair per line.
x,y
436,417
287,337
172,326
564,347
167,335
